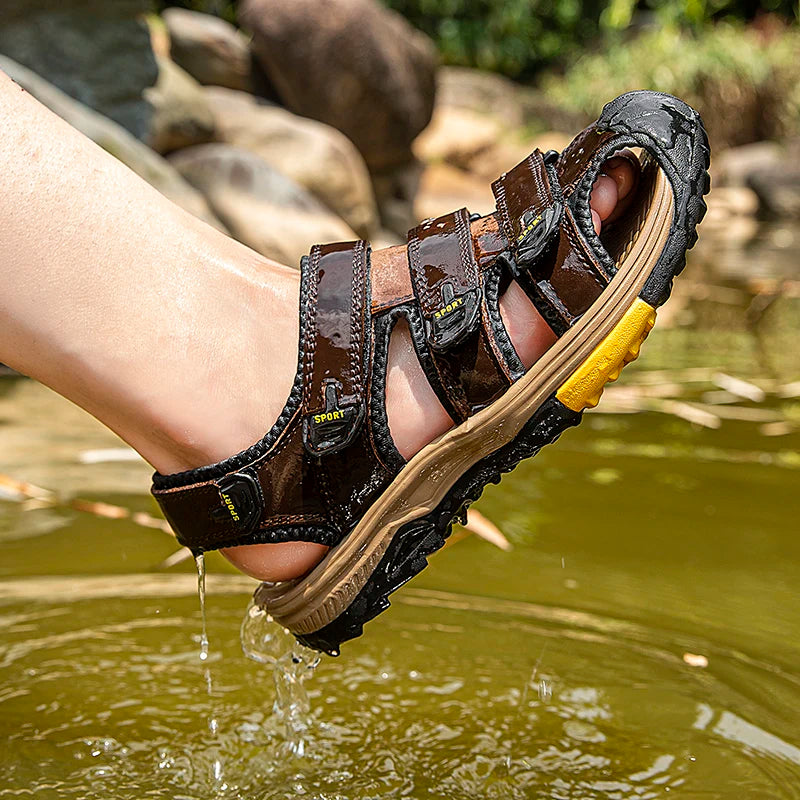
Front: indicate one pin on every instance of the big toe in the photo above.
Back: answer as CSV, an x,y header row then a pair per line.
x,y
603,200
613,189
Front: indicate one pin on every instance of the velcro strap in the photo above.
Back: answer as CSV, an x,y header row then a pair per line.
x,y
530,208
336,344
445,277
212,514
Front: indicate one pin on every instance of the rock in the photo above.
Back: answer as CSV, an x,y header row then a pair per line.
x,y
352,64
444,188
260,207
480,92
396,192
210,49
512,149
730,218
778,189
116,140
97,52
733,167
457,136
312,154
181,113
733,201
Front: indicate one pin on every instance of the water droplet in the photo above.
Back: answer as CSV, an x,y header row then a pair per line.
x,y
545,690
200,562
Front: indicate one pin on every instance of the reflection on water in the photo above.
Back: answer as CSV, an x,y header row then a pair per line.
x,y
642,639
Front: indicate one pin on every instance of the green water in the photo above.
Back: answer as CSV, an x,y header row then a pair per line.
x,y
556,670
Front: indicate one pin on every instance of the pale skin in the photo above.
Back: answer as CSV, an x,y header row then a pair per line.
x,y
179,339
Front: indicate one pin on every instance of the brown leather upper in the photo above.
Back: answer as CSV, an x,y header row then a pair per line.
x,y
330,455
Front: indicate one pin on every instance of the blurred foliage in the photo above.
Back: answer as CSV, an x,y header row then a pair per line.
x,y
518,37
514,37
745,81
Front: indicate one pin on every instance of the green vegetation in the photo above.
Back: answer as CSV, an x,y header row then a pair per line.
x,y
519,37
745,82
514,37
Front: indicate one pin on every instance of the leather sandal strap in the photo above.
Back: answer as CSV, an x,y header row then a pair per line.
x,y
549,257
530,206
336,346
445,278
456,350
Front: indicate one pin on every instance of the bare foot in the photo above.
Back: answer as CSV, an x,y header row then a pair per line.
x,y
415,415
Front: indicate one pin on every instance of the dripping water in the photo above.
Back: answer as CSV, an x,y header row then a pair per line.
x,y
200,562
267,642
216,767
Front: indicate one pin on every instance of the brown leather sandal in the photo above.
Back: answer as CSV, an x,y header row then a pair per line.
x,y
328,470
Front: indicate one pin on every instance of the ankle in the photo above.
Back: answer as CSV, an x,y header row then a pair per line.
x,y
219,389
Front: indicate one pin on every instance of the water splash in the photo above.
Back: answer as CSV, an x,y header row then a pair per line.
x,y
200,562
267,642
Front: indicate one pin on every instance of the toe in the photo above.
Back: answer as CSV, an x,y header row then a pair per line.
x,y
622,171
597,222
604,196
275,562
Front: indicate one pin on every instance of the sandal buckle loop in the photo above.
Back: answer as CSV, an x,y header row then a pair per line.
x,y
454,319
241,502
334,428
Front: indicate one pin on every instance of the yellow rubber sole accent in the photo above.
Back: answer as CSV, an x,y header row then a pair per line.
x,y
621,346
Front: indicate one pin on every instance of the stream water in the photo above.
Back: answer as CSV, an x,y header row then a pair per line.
x,y
641,640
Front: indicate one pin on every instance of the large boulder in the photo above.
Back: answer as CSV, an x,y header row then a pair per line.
x,y
734,166
352,64
97,52
210,49
181,114
444,187
260,207
114,139
458,136
778,189
312,154
481,92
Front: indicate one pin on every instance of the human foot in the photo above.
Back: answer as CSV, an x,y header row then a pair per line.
x,y
415,414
